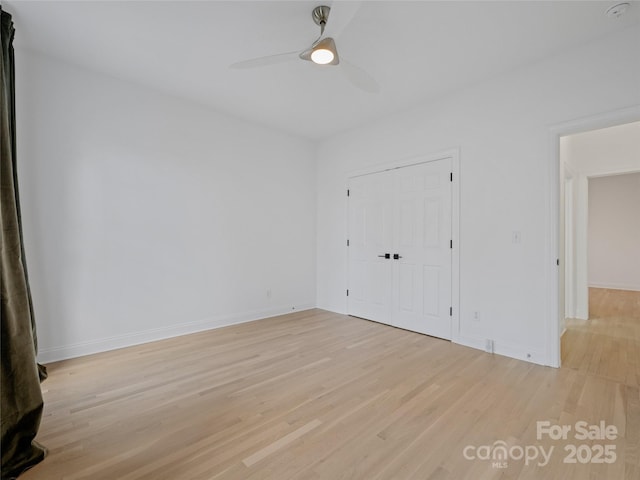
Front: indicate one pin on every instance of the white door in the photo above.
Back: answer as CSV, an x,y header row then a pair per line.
x,y
405,213
370,239
422,275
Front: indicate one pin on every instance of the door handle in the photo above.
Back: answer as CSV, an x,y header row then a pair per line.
x,y
386,255
396,256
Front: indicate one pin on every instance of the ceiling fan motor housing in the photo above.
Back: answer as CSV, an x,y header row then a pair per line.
x,y
321,15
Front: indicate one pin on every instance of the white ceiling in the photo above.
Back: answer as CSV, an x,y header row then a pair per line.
x,y
416,50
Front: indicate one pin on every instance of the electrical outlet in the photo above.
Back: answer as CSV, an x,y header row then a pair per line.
x,y
268,293
515,236
476,316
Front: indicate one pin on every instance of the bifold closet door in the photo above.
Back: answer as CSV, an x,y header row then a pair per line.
x,y
406,214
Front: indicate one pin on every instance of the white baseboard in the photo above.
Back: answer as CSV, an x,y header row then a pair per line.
x,y
615,286
64,352
581,314
513,351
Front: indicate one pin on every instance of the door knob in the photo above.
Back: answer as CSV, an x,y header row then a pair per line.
x,y
386,255
396,256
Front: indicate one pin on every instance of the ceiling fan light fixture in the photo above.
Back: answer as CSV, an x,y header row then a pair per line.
x,y
322,56
324,52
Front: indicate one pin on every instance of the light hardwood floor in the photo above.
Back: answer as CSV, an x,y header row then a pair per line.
x,y
608,344
317,395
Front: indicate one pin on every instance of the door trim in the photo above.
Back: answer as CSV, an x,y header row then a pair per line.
x,y
454,155
555,249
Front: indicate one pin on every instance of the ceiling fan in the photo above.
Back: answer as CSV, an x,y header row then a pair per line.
x,y
323,51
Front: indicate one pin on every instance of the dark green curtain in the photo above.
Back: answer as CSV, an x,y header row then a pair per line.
x,y
20,375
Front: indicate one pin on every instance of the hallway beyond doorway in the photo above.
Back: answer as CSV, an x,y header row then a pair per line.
x,y
608,344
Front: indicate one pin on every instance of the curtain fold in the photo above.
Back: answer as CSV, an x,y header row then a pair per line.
x,y
20,375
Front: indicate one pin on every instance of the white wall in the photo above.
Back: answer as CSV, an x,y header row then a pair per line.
x,y
503,129
614,232
605,151
147,217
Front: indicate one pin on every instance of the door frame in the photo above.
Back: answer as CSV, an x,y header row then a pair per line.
x,y
569,242
454,155
555,244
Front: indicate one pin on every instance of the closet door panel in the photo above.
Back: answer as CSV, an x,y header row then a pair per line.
x,y
370,236
423,235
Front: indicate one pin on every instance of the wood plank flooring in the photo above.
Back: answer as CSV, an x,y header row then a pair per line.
x,y
608,344
607,303
317,395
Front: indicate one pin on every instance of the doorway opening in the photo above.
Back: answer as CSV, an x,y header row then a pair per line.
x,y
599,234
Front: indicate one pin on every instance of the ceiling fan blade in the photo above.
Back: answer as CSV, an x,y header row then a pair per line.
x,y
342,12
358,77
264,61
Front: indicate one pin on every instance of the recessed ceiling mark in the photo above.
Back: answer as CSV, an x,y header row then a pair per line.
x,y
617,10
